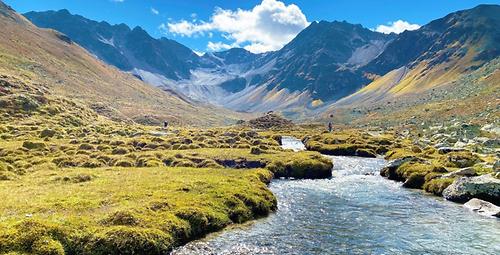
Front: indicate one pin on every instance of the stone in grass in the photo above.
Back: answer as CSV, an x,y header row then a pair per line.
x,y
484,187
483,207
47,133
468,171
33,145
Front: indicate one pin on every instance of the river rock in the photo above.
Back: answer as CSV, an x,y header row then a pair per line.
x,y
389,169
483,207
468,171
484,187
446,150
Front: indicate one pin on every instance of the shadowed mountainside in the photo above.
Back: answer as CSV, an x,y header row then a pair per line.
x,y
47,57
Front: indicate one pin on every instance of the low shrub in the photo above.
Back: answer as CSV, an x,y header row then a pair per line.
x,y
120,151
255,151
124,163
47,133
85,147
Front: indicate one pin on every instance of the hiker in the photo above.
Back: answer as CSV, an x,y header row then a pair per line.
x,y
330,124
165,124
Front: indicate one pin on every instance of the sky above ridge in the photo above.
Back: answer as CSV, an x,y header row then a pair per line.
x,y
256,25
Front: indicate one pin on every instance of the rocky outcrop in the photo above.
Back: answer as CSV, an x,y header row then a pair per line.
x,y
484,187
482,207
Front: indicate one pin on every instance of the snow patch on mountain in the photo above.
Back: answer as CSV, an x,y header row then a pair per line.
x,y
110,41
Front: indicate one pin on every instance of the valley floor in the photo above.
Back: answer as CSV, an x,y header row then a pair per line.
x,y
73,182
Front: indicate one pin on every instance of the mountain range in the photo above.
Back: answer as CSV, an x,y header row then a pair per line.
x,y
46,58
330,67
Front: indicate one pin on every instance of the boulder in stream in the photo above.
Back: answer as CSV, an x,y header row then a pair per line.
x,y
390,168
483,207
484,187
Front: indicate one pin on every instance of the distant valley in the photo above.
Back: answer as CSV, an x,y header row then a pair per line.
x,y
328,67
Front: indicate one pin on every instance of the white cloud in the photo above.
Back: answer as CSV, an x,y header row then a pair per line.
x,y
397,27
118,1
154,11
268,26
218,46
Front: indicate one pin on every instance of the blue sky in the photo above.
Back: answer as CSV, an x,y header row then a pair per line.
x,y
259,25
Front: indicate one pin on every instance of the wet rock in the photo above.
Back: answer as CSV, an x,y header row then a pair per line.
x,y
446,150
366,153
484,187
389,170
483,207
468,171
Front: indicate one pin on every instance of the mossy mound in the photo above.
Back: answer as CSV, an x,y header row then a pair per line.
x,y
270,121
348,143
438,185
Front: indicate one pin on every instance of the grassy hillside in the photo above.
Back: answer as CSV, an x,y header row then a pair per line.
x,y
47,58
401,98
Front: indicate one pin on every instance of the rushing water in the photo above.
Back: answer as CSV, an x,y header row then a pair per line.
x,y
356,212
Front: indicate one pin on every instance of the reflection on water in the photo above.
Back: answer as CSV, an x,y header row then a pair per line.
x,y
356,212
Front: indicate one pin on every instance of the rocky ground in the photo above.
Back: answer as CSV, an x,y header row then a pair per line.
x,y
459,161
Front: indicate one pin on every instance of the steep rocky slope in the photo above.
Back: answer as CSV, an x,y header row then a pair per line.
x,y
453,62
119,45
51,59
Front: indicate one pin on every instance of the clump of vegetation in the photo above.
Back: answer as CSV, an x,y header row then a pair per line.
x,y
438,185
47,133
460,159
348,143
34,145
